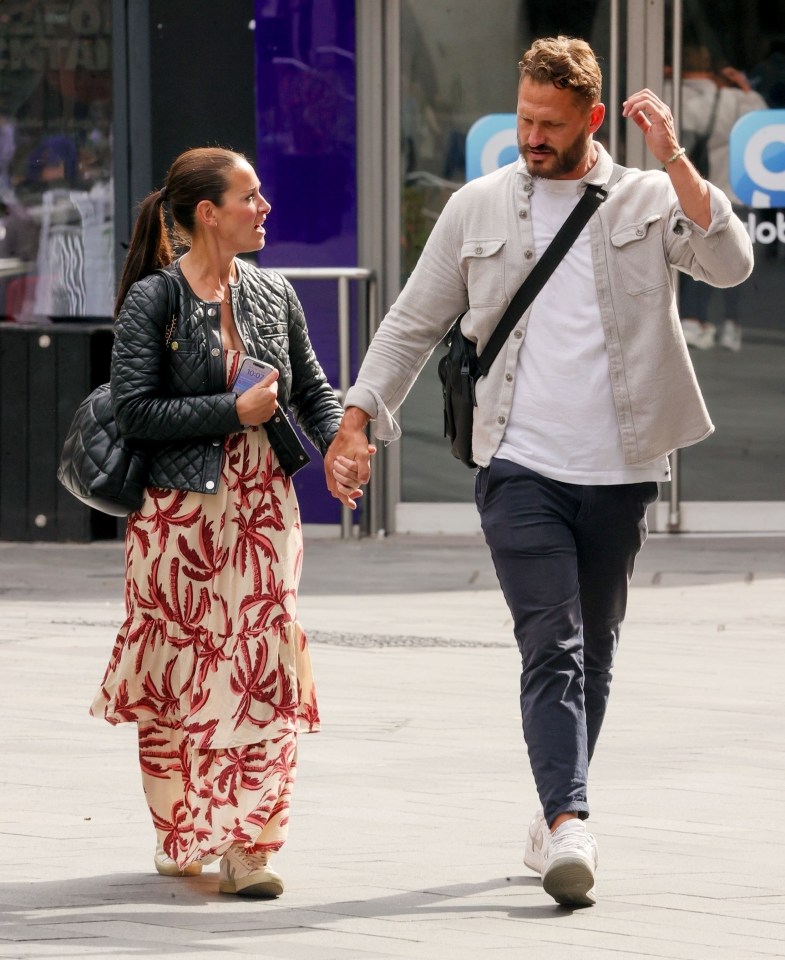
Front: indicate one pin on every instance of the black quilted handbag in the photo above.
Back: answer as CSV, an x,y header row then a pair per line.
x,y
98,465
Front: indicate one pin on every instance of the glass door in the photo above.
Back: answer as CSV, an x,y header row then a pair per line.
x,y
458,94
724,69
458,76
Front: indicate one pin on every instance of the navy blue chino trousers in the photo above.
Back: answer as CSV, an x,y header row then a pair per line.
x,y
564,555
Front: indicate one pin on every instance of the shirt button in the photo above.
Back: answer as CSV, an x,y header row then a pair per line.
x,y
528,254
210,485
211,312
517,334
215,352
640,232
523,214
501,419
529,188
478,250
508,377
678,229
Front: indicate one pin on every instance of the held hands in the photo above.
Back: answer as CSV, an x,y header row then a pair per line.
x,y
347,463
258,403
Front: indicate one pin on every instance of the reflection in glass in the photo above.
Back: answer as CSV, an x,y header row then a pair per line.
x,y
56,197
733,88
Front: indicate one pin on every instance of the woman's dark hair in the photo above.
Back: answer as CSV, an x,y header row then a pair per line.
x,y
196,175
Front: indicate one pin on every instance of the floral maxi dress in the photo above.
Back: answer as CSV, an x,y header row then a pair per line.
x,y
211,662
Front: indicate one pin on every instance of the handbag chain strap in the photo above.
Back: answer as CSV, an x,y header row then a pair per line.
x,y
593,196
170,330
172,289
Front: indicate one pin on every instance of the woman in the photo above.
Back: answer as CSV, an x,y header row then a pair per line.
x,y
211,663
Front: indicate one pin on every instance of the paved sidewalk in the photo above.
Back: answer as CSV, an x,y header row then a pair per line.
x,y
411,806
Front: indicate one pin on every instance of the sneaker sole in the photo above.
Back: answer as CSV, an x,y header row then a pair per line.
x,y
266,889
192,870
571,884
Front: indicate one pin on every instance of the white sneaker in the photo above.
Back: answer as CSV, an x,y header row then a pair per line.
x,y
168,867
247,874
699,335
730,338
570,865
536,842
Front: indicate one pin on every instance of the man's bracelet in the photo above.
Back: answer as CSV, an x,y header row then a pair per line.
x,y
679,153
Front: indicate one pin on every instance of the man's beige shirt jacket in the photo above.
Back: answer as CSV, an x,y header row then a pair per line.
x,y
479,253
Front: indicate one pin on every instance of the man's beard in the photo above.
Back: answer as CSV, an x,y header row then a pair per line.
x,y
562,162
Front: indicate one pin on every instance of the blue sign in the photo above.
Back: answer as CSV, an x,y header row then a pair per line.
x,y
491,142
757,158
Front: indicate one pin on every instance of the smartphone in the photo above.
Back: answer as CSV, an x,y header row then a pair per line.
x,y
250,373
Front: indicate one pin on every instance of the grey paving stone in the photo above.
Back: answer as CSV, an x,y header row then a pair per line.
x,y
411,806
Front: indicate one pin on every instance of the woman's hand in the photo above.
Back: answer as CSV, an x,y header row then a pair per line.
x,y
347,463
347,479
258,403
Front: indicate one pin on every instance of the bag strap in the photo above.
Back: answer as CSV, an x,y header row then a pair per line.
x,y
713,116
172,298
593,196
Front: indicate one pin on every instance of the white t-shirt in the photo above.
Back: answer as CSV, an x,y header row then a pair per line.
x,y
563,422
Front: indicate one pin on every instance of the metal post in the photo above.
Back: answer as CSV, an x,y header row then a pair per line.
x,y
674,506
344,375
343,275
344,372
613,80
372,513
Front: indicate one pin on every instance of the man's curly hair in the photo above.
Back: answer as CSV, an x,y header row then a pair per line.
x,y
567,63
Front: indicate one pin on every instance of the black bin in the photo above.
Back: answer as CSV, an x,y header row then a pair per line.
x,y
45,373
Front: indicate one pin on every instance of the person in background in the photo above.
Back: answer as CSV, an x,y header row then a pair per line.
x,y
578,413
712,101
211,663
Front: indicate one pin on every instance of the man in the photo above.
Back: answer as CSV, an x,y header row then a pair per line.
x,y
580,409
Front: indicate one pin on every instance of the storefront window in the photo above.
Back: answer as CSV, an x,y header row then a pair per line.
x,y
733,97
56,197
457,67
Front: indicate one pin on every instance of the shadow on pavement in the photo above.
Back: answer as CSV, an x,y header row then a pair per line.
x,y
55,910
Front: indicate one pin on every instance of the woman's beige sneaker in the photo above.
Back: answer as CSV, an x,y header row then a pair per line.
x,y
246,874
168,867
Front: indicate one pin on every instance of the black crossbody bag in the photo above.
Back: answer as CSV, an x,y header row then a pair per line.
x,y
460,368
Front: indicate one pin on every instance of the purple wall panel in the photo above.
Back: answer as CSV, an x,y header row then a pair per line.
x,y
306,146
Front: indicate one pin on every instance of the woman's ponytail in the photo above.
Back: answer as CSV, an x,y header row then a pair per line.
x,y
150,247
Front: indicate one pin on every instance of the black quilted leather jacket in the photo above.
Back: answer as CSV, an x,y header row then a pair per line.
x,y
173,396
